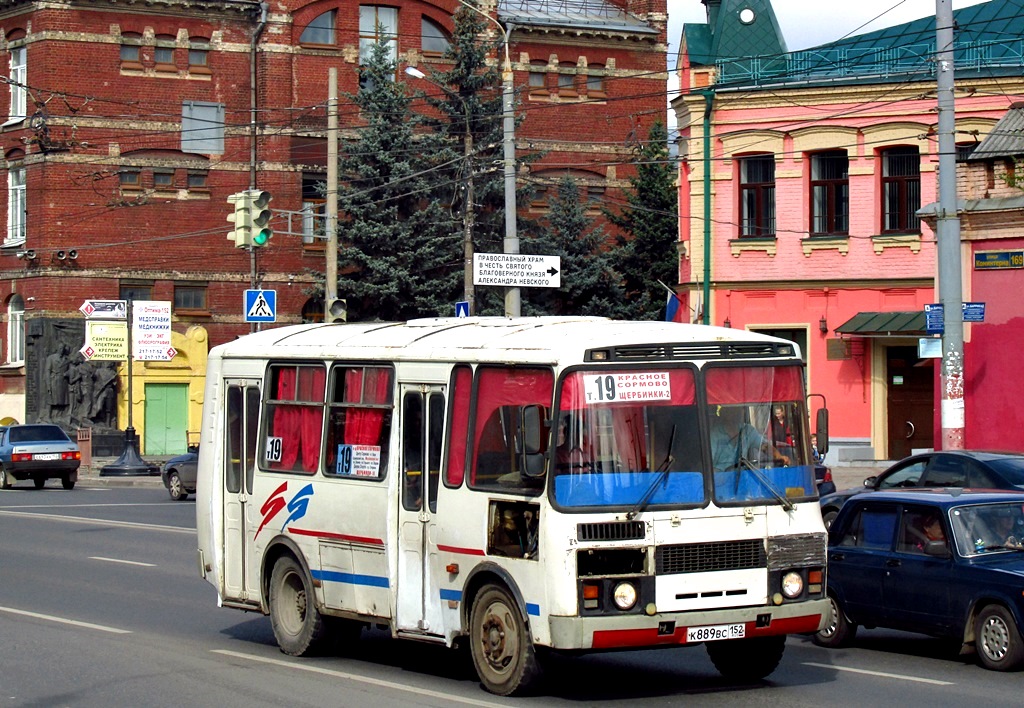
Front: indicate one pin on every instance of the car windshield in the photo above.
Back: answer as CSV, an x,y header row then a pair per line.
x,y
635,438
989,528
1011,469
38,433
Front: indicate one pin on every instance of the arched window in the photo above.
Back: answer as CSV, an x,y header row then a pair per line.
x,y
131,50
595,81
15,330
163,53
567,79
538,77
17,204
198,55
433,40
320,30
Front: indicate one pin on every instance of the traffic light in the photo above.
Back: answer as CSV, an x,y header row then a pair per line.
x,y
240,218
260,230
336,311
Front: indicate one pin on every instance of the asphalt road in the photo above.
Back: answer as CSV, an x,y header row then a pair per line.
x,y
101,605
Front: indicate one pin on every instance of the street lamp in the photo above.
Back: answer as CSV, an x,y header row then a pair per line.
x,y
511,243
468,212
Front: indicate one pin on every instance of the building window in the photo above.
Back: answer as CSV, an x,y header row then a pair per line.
x,y
567,79
378,24
16,330
199,56
901,190
595,81
964,150
136,291
830,193
190,297
131,57
197,180
163,53
757,196
538,77
130,179
433,39
163,180
320,30
202,127
17,209
18,78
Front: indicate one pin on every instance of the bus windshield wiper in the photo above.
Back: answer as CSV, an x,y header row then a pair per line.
x,y
763,478
662,473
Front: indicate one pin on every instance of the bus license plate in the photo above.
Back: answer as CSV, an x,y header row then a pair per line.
x,y
46,456
715,632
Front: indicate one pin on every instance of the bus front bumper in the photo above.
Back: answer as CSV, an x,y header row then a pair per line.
x,y
635,631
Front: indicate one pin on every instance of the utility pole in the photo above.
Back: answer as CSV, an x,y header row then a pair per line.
x,y
947,228
331,227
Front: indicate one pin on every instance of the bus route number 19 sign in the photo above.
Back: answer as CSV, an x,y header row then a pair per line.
x,y
616,388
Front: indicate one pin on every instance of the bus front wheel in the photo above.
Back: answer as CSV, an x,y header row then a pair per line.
x,y
503,653
298,627
747,659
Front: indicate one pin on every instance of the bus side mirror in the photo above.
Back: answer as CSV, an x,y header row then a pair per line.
x,y
821,430
531,461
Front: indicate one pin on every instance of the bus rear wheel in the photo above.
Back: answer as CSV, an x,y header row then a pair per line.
x,y
503,653
298,627
747,659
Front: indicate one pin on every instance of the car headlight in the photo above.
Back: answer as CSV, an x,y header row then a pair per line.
x,y
792,584
624,596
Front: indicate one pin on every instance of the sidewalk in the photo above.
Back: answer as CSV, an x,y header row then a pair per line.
x,y
91,474
852,477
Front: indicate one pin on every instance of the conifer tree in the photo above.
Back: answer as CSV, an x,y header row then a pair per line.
x,y
398,256
589,283
647,251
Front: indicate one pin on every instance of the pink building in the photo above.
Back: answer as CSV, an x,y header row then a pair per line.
x,y
818,165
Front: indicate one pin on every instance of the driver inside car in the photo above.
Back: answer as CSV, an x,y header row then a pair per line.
x,y
733,439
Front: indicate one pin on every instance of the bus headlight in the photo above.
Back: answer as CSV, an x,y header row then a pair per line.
x,y
624,596
792,584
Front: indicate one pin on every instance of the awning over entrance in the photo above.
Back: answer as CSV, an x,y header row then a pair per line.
x,y
884,324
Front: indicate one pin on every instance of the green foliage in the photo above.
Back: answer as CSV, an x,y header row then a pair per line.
x,y
399,254
648,252
590,285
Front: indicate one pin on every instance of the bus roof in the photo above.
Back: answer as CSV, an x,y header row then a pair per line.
x,y
502,339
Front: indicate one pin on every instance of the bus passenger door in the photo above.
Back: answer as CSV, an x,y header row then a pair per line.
x,y
422,427
241,511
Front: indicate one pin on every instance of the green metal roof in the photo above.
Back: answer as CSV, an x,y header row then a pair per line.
x,y
989,39
882,324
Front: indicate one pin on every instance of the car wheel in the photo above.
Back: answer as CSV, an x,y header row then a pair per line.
x,y
838,631
40,482
298,626
5,480
175,488
998,640
68,481
500,644
746,660
829,516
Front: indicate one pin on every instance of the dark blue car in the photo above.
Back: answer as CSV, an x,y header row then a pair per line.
x,y
944,562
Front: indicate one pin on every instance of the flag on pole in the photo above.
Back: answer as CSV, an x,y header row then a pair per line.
x,y
673,309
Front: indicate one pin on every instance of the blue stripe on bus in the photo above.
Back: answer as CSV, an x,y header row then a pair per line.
x,y
531,608
350,578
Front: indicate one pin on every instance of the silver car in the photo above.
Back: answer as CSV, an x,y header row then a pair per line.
x,y
38,451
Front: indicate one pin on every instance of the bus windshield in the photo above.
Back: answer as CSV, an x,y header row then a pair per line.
x,y
638,438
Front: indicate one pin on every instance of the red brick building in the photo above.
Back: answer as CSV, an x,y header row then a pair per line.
x,y
129,125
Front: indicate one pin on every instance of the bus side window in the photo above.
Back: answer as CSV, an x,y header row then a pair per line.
x,y
412,451
435,437
513,529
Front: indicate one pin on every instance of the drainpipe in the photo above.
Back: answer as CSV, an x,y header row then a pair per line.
x,y
709,99
264,8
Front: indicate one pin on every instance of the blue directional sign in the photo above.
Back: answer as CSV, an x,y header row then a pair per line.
x,y
462,308
974,312
260,305
933,322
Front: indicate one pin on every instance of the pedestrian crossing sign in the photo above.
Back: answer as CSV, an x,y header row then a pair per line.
x,y
260,305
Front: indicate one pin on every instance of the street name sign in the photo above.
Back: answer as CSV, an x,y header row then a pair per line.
x,y
151,330
105,309
989,260
517,270
260,305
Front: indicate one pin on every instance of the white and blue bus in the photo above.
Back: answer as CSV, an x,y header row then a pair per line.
x,y
519,485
